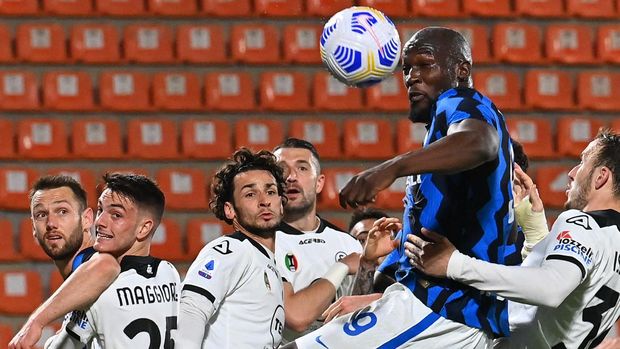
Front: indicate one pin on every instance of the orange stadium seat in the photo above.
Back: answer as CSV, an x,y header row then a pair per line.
x,y
29,246
549,89
574,133
284,91
534,134
206,139
388,95
608,43
6,45
20,291
201,44
166,243
185,188
96,139
55,281
409,136
201,231
6,333
258,134
67,91
324,134
599,90
340,223
517,42
152,138
124,91
19,91
501,86
551,182
19,7
86,177
278,8
591,8
301,43
436,8
255,43
478,38
615,125
15,183
367,139
487,8
335,180
176,91
9,252
391,198
540,8
331,94
232,91
94,43
326,8
121,7
392,8
40,43
406,31
569,43
173,7
227,8
148,43
42,138
7,139
68,7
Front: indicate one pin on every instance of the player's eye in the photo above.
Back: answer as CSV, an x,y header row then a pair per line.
x,y
272,192
303,168
249,194
63,211
40,215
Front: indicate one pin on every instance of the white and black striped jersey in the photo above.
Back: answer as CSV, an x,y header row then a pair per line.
x,y
240,295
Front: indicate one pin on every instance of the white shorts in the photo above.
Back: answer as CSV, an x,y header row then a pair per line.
x,y
397,320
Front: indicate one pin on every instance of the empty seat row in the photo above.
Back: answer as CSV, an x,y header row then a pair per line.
x,y
183,91
253,43
297,8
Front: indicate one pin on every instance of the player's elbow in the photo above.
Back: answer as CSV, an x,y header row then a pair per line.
x,y
297,321
482,149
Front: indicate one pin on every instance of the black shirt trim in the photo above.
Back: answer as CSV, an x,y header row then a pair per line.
x,y
241,237
200,291
146,266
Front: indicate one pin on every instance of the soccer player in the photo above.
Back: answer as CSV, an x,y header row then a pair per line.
x,y
571,278
361,222
232,295
313,256
460,184
140,308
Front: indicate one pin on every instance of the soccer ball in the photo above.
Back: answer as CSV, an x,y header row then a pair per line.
x,y
360,46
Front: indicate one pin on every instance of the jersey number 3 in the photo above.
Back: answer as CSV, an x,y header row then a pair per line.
x,y
594,314
149,326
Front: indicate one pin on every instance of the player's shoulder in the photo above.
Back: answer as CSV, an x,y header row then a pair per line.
x,y
147,266
576,219
233,246
335,231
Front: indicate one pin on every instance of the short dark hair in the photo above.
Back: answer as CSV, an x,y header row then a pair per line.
x,y
521,158
608,155
292,142
366,213
243,160
140,189
59,181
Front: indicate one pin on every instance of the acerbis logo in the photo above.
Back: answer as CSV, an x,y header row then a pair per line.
x,y
566,243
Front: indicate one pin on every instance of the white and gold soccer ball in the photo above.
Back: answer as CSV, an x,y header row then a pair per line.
x,y
360,46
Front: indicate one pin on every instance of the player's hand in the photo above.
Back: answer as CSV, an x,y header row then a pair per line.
x,y
27,337
525,188
610,343
363,187
379,242
430,256
348,304
352,261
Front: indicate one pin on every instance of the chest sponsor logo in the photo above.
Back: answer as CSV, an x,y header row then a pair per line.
x,y
340,255
207,270
290,261
581,220
311,241
568,244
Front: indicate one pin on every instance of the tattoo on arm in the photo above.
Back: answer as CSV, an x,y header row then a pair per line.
x,y
364,278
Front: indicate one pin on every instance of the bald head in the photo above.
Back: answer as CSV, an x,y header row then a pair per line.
x,y
443,42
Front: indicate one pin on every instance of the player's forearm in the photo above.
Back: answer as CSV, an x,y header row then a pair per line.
x,y
194,313
304,307
80,290
364,278
547,285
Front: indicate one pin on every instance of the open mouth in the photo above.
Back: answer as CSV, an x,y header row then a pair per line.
x,y
293,191
101,235
53,236
415,97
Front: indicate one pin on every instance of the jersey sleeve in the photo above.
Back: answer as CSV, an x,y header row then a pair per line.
x,y
77,328
573,241
470,108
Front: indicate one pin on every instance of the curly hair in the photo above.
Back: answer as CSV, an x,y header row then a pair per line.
x,y
222,186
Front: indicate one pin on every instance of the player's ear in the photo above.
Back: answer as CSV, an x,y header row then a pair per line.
x,y
145,228
229,210
603,175
320,182
463,71
87,219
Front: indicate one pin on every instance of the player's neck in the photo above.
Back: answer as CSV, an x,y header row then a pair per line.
x,y
139,248
306,222
65,266
603,204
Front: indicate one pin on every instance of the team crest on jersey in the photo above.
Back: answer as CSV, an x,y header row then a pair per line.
x,y
267,283
290,261
207,270
340,255
568,244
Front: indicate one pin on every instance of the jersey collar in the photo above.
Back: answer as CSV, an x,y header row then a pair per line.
x,y
242,237
289,229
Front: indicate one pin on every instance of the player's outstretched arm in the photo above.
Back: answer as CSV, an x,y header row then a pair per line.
x,y
529,211
79,291
546,285
305,306
469,144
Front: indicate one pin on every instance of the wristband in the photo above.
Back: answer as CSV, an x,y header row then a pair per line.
x,y
336,274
